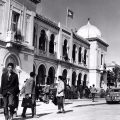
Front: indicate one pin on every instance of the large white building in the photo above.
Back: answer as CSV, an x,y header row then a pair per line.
x,y
35,43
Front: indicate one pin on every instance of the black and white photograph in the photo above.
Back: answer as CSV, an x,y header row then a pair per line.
x,y
59,60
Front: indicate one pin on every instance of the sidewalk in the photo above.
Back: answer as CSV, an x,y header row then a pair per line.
x,y
44,109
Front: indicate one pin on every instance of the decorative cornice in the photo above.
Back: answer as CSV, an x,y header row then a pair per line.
x,y
47,21
85,41
98,40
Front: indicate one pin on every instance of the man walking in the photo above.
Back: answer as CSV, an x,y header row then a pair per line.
x,y
29,91
9,89
60,94
93,92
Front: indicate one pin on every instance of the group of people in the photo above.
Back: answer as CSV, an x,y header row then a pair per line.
x,y
10,92
87,92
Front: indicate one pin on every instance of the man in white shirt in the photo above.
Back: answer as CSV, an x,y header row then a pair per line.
x,y
60,94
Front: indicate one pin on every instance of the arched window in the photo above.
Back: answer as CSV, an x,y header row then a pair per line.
x,y
74,53
35,37
79,56
42,40
41,75
85,56
51,76
65,54
84,81
79,79
74,78
51,44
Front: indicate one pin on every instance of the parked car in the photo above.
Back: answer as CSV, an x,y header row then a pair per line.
x,y
113,95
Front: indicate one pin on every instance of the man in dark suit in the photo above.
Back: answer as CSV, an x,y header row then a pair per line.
x,y
9,89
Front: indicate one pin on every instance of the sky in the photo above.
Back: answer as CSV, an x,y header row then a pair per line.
x,y
104,14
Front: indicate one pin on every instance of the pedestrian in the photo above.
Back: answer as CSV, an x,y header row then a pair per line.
x,y
9,90
29,91
93,92
46,91
60,94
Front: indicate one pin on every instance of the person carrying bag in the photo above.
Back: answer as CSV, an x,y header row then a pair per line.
x,y
29,91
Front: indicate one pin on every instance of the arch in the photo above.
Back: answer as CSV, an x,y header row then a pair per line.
x,y
42,40
80,55
51,44
40,79
74,53
11,57
85,81
79,79
51,76
64,73
74,78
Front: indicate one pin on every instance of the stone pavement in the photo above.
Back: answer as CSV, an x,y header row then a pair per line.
x,y
43,109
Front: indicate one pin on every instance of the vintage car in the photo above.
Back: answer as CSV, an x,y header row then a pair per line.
x,y
113,95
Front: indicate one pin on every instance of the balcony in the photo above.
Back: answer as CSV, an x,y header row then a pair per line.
x,y
13,39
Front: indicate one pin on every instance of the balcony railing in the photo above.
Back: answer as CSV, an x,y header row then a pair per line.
x,y
13,37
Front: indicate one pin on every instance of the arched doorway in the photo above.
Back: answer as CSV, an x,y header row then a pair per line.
x,y
12,59
74,78
79,79
84,81
40,79
51,76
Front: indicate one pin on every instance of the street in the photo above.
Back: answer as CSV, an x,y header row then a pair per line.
x,y
96,112
75,110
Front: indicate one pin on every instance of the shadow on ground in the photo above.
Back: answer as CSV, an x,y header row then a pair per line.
x,y
28,116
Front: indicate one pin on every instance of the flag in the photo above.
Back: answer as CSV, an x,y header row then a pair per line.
x,y
70,13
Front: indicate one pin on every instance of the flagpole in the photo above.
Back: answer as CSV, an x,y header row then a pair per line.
x,y
67,19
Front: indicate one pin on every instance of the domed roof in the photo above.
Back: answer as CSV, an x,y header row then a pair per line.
x,y
89,31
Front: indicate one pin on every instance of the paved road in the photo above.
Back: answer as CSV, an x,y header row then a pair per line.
x,y
75,110
95,112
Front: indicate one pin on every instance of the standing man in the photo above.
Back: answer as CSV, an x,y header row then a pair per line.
x,y
93,92
9,89
60,94
29,91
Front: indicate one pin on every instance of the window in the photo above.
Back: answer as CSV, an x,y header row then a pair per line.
x,y
65,54
42,40
51,44
35,37
101,59
79,57
74,53
85,56
1,16
15,22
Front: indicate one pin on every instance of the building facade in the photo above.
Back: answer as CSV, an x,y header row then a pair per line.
x,y
59,51
35,43
16,34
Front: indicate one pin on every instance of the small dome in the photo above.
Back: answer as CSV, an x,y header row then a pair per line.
x,y
89,31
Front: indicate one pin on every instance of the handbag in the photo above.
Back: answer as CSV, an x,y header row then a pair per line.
x,y
27,102
55,100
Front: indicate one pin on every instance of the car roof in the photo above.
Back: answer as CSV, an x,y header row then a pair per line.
x,y
115,88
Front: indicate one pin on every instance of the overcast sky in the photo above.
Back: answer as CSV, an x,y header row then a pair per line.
x,y
104,14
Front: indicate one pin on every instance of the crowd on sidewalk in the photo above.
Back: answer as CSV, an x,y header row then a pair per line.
x,y
30,91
